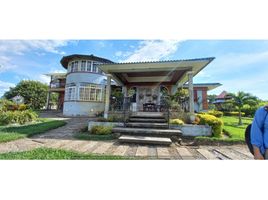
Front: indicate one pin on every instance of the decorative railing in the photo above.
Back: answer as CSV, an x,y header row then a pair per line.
x,y
57,85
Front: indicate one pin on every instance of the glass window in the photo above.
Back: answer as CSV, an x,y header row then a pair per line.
x,y
70,93
90,92
76,66
83,65
95,67
89,66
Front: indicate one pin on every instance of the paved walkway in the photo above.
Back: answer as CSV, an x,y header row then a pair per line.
x,y
62,138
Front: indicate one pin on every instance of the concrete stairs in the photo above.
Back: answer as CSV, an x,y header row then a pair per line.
x,y
147,128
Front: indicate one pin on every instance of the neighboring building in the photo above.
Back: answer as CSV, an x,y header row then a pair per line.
x,y
221,99
89,79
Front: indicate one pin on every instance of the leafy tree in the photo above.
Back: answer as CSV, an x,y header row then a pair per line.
x,y
33,92
240,99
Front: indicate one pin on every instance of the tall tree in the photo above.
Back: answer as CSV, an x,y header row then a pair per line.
x,y
240,99
33,92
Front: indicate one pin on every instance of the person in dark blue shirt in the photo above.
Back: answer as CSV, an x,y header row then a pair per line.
x,y
259,134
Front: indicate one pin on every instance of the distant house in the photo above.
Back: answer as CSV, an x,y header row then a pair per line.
x,y
221,99
85,88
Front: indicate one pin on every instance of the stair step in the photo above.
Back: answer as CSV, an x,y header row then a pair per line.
x,y
147,125
154,115
145,140
147,132
133,119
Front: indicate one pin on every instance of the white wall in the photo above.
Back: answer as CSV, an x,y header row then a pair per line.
x,y
82,108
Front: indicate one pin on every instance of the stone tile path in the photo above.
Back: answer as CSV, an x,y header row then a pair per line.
x,y
62,138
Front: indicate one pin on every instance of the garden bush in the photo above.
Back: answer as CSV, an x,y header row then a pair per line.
x,y
176,121
214,122
21,117
234,114
101,130
215,113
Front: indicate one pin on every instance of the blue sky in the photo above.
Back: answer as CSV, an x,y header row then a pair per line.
x,y
239,64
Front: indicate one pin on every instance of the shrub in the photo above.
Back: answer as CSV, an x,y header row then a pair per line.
x,y
101,130
21,117
215,113
176,121
22,107
214,122
235,114
115,118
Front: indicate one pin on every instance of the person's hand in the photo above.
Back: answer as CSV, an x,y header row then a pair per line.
x,y
258,156
257,153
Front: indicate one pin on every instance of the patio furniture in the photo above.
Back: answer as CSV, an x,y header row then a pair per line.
x,y
150,107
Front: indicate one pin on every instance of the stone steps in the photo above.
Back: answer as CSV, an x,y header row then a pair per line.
x,y
147,132
147,125
148,120
151,115
144,140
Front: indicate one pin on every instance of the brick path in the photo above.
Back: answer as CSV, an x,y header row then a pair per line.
x,y
61,138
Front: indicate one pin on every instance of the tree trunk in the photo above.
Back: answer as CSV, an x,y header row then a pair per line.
x,y
240,117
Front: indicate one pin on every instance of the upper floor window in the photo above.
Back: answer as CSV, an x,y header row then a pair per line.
x,y
83,65
89,66
95,67
74,66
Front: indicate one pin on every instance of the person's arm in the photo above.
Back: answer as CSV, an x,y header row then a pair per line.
x,y
257,134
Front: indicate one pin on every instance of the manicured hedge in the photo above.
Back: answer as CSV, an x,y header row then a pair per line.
x,y
235,114
20,117
101,130
214,122
215,113
176,121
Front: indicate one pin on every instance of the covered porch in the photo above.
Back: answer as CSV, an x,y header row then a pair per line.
x,y
149,81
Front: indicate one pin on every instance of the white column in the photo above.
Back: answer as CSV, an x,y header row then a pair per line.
x,y
191,92
107,96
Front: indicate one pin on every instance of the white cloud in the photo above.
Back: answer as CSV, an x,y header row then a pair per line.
x,y
43,78
4,86
5,64
21,46
118,53
153,50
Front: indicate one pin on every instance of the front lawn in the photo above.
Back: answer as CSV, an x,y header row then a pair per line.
x,y
56,154
234,133
11,132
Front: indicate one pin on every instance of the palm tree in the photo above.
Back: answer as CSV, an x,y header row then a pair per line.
x,y
240,99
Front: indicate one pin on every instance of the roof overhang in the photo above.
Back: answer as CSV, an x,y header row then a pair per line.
x,y
66,59
169,72
209,86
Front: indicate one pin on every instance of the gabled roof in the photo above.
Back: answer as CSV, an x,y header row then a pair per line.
x,y
66,59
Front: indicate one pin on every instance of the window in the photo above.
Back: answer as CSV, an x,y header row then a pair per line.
x,y
83,65
70,92
89,66
90,92
95,67
74,66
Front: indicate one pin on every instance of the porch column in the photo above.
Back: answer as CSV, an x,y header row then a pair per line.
x,y
48,98
191,91
107,96
124,91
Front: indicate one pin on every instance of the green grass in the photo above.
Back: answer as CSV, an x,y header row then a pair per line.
x,y
11,132
56,154
231,128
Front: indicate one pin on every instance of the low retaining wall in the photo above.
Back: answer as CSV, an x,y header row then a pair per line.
x,y
193,130
113,124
